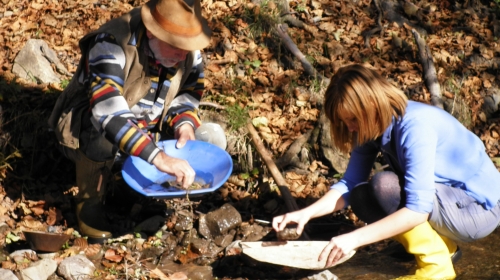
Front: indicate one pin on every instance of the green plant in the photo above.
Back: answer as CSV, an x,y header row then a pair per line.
x,y
301,6
459,108
316,86
38,33
64,83
11,238
228,20
254,64
237,116
263,19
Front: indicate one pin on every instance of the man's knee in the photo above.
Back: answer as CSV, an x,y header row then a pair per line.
x,y
212,133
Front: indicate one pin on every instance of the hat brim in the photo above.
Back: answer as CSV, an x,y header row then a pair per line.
x,y
188,43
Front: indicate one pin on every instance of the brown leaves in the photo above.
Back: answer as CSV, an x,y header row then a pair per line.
x,y
113,255
54,216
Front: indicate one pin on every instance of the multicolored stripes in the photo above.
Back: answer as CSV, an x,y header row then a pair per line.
x,y
133,129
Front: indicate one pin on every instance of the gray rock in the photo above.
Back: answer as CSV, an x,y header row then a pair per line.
x,y
33,63
76,268
40,270
20,255
491,102
323,275
6,274
336,159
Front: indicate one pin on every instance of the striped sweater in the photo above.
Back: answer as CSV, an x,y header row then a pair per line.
x,y
134,130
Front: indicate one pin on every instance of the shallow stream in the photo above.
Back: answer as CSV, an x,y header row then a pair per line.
x,y
480,260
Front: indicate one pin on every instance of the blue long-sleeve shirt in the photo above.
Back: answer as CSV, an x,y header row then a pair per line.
x,y
427,146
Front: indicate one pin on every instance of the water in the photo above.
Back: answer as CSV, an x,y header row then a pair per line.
x,y
480,260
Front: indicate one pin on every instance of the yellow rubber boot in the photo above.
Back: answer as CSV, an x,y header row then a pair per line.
x,y
453,250
430,251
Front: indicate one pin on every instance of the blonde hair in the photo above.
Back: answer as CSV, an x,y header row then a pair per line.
x,y
363,93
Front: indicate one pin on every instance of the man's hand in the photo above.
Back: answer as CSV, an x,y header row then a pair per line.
x,y
183,133
179,168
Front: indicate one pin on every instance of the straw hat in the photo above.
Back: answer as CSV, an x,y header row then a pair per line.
x,y
177,22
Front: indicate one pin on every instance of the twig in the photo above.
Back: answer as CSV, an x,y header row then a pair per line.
x,y
266,156
290,202
430,76
368,34
222,61
280,181
281,31
293,150
211,104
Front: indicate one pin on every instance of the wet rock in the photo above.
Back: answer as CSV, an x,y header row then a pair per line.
x,y
152,252
225,240
184,223
41,269
151,225
76,268
170,241
169,255
187,237
200,246
222,220
6,274
193,272
214,250
203,227
252,232
289,233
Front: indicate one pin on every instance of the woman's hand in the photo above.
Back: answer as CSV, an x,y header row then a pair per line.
x,y
183,133
179,168
298,217
339,247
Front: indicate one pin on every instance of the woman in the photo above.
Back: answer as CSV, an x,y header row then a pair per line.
x,y
443,187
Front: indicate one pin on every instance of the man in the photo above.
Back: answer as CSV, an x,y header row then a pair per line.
x,y
140,79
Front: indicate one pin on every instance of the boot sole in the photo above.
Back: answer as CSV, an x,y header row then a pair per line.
x,y
457,255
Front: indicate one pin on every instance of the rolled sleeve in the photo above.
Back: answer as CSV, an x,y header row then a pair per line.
x,y
358,170
418,158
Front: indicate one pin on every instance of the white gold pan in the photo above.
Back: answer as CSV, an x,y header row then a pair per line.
x,y
299,254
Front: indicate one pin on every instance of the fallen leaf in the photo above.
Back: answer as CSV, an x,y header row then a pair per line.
x,y
112,256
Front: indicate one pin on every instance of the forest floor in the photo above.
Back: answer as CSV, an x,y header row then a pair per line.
x,y
251,75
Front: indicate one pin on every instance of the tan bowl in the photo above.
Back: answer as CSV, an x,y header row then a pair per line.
x,y
44,241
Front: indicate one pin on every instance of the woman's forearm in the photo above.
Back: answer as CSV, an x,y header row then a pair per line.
x,y
401,221
330,202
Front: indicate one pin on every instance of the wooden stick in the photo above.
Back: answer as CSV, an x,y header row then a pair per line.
x,y
430,76
278,178
290,202
266,156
